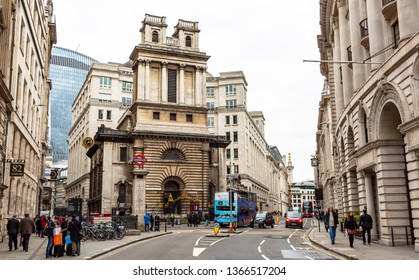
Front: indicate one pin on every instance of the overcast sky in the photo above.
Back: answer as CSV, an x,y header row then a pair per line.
x,y
266,39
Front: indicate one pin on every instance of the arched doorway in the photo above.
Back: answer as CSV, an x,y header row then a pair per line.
x,y
391,175
171,198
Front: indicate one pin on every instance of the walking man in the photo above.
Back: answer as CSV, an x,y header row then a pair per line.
x,y
27,227
75,228
331,222
366,223
13,231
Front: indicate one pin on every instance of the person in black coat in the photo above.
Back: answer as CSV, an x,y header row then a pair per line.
x,y
74,228
366,223
350,227
12,231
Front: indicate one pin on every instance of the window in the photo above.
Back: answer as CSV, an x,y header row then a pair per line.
x,y
156,115
126,101
231,90
155,37
210,122
349,50
235,136
100,114
109,115
228,153
172,116
189,118
188,42
172,87
210,92
231,103
235,119
236,153
396,33
105,82
210,106
236,169
228,169
123,154
105,97
228,136
127,86
227,119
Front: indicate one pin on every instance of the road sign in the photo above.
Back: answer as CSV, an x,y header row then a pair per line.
x,y
54,175
88,142
216,228
139,160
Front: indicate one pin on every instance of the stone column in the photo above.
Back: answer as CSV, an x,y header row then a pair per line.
x,y
376,24
204,86
336,68
408,15
356,15
138,193
369,197
198,93
182,84
147,80
345,42
164,92
140,80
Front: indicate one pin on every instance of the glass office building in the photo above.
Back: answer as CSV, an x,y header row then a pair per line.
x,y
68,72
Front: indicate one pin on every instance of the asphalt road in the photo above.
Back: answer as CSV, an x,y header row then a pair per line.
x,y
278,243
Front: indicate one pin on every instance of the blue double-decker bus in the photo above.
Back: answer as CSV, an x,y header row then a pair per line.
x,y
243,208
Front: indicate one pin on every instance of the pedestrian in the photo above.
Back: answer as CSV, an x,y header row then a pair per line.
x,y
331,223
156,222
64,230
189,219
326,226
151,221
146,222
366,223
13,231
75,229
26,228
350,227
172,221
49,232
206,216
38,225
195,220
43,224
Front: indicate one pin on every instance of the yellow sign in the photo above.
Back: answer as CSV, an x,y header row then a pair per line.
x,y
88,142
17,169
170,199
216,228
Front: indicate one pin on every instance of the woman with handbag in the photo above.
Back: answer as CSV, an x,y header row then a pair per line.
x,y
350,227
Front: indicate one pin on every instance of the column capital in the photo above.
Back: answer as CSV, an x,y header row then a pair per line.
x,y
164,63
147,61
182,65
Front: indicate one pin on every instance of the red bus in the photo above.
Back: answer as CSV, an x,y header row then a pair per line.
x,y
307,209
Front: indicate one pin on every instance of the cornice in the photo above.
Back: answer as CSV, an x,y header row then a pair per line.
x,y
409,126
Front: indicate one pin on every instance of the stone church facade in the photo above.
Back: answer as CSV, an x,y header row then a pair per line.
x,y
166,127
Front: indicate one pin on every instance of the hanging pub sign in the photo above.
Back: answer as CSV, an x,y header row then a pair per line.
x,y
17,167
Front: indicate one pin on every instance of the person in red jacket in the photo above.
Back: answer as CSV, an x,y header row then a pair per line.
x,y
44,224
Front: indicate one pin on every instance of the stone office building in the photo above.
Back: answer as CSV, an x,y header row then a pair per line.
x,y
368,125
166,124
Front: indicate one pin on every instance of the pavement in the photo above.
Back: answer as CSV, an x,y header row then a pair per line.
x,y
91,249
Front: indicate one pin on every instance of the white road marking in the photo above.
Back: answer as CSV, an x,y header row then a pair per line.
x,y
263,256
293,248
217,241
259,249
197,242
197,251
261,243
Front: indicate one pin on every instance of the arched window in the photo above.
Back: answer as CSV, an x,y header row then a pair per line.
x,y
155,38
173,154
188,42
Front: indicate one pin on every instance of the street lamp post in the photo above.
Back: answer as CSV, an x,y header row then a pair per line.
x,y
231,198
